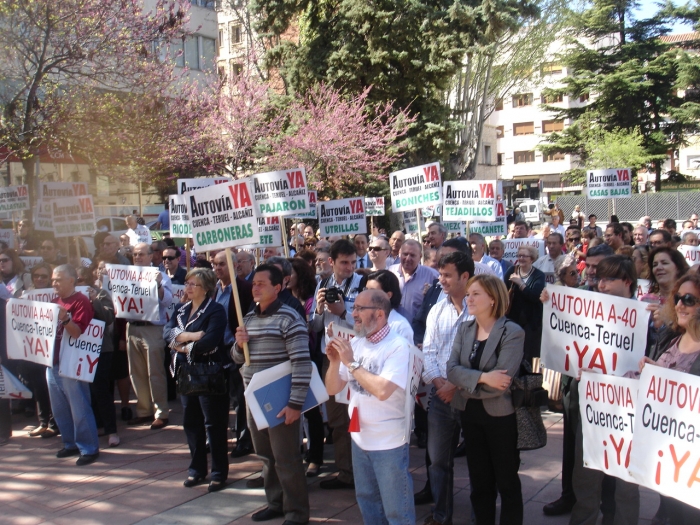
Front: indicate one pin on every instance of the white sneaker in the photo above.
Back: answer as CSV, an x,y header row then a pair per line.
x,y
114,440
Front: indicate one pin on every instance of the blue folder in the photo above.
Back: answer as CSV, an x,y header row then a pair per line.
x,y
274,396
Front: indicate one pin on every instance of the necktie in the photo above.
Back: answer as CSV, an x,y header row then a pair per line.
x,y
362,262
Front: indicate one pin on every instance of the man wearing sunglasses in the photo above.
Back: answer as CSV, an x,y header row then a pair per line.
x,y
378,253
171,262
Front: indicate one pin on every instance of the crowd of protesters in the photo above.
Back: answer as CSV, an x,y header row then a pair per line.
x,y
472,314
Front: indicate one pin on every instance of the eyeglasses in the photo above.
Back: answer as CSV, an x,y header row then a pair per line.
x,y
360,309
170,257
376,249
523,256
190,284
41,276
572,273
4,260
574,239
688,300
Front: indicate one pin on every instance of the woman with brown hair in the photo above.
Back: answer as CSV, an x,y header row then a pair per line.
x,y
12,273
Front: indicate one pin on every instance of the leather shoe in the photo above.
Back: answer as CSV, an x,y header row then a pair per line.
x,y
312,470
49,433
139,420
335,483
193,481
127,414
86,459
256,483
38,431
266,514
159,423
423,497
557,508
216,486
239,452
67,452
290,522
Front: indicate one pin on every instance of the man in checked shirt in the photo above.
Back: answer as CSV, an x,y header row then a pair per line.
x,y
443,421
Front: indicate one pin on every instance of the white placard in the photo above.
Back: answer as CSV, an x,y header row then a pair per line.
x,y
30,262
73,216
49,295
344,333
11,387
342,217
42,216
458,228
607,421
60,190
511,247
8,237
642,287
78,358
280,193
180,221
609,184
14,198
223,216
313,197
270,232
666,456
492,229
178,293
185,185
416,187
582,329
691,254
134,291
410,221
31,330
374,206
469,200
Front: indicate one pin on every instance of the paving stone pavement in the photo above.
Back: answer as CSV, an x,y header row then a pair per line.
x,y
141,482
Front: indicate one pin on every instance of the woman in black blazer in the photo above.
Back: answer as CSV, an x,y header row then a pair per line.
x,y
196,332
525,284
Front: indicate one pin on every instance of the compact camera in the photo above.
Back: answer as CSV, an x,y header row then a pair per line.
x,y
333,295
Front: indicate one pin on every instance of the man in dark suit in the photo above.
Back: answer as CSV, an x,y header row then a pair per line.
x,y
245,265
171,262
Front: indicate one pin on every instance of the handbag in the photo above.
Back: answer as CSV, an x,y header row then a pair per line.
x,y
528,396
201,379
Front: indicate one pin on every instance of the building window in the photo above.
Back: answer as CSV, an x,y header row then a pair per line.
x,y
499,104
521,100
236,69
500,132
221,37
584,98
552,98
548,126
236,35
499,159
552,157
693,162
523,128
520,157
207,54
199,53
552,69
487,155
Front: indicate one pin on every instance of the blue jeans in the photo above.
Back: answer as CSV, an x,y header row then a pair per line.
x,y
443,435
383,486
70,402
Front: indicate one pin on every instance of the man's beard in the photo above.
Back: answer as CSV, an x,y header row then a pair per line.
x,y
367,328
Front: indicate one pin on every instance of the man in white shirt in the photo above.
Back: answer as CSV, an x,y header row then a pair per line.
x,y
556,226
479,254
361,245
376,366
547,264
137,233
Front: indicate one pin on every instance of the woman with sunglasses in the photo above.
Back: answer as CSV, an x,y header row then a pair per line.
x,y
12,273
678,348
566,272
486,354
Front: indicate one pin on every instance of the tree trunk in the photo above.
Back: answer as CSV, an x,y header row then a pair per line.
x,y
657,170
29,165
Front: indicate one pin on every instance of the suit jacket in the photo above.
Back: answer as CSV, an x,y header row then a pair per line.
x,y
526,309
503,351
429,300
245,293
212,321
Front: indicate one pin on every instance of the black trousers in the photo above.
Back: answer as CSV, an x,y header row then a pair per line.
x,y
493,460
35,376
207,416
237,396
102,395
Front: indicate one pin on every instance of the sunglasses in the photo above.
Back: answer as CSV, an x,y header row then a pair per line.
x,y
572,273
574,239
170,258
687,300
376,249
4,260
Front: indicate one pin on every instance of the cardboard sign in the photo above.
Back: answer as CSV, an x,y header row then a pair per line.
x,y
73,216
511,247
42,216
691,254
280,193
178,292
134,291
180,222
60,190
469,201
31,330
609,184
11,387
223,216
186,185
8,237
410,221
30,262
342,217
642,287
582,329
374,206
492,229
607,420
458,228
665,456
48,295
344,333
415,369
416,187
78,358
313,198
14,198
270,232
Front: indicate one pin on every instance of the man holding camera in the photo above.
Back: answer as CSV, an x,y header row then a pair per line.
x,y
333,302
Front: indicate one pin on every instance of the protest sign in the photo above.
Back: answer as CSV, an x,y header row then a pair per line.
x,y
374,206
458,228
223,216
313,197
42,216
609,184
280,193
415,187
410,221
180,223
8,237
665,456
11,387
60,190
185,185
178,292
14,198
73,216
270,232
48,295
78,357
134,291
582,329
511,247
691,254
469,201
342,217
31,330
344,333
492,229
431,211
642,287
607,421
30,262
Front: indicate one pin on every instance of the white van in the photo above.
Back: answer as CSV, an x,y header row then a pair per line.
x,y
532,210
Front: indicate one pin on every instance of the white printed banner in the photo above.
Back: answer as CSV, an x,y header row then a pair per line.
x,y
73,216
410,221
609,184
280,193
42,216
180,220
11,387
691,254
30,262
31,330
342,217
60,190
134,291
48,295
492,229
8,237
344,333
185,185
416,187
607,420
458,228
582,329
642,287
665,456
374,206
313,197
178,293
14,198
270,232
223,216
511,247
78,358
469,201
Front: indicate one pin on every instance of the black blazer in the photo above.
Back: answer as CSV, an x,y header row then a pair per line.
x,y
526,309
429,300
212,321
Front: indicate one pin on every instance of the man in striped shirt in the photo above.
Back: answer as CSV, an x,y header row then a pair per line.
x,y
275,333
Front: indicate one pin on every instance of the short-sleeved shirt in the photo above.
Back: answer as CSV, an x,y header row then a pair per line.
x,y
164,220
81,311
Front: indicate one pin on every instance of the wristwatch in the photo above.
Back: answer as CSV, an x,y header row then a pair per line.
x,y
68,319
353,366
